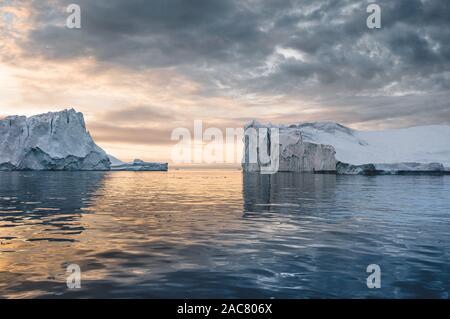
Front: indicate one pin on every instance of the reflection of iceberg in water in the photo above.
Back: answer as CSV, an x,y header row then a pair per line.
x,y
286,191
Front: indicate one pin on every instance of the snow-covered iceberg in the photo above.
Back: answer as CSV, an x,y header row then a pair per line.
x,y
51,141
422,149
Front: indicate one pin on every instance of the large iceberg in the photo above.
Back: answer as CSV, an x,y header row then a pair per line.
x,y
57,141
51,141
295,154
422,149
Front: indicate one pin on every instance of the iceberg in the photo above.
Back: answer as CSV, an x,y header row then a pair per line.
x,y
391,169
415,150
137,165
52,141
57,141
295,154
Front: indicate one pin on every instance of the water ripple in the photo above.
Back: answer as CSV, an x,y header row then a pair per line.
x,y
206,234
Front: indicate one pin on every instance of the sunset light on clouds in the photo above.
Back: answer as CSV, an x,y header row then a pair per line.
x,y
139,71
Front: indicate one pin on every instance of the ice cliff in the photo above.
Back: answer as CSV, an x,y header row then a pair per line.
x,y
295,154
51,141
422,149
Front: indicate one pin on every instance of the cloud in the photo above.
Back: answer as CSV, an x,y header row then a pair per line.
x,y
138,114
104,132
237,50
143,34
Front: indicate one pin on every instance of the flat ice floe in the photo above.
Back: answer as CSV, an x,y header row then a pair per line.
x,y
421,144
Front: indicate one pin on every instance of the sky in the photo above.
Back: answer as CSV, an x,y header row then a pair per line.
x,y
138,69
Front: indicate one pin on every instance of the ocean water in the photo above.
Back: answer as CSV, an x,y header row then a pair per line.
x,y
224,234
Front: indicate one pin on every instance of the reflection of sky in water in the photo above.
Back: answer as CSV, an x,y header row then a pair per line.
x,y
222,234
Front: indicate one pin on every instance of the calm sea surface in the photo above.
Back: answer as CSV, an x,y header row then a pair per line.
x,y
206,234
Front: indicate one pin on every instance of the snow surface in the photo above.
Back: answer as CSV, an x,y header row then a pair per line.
x,y
421,144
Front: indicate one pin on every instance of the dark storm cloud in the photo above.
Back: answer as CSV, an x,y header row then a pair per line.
x,y
234,44
155,33
393,110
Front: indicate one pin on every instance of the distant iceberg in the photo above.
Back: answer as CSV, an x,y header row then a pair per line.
x,y
138,165
422,149
56,141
